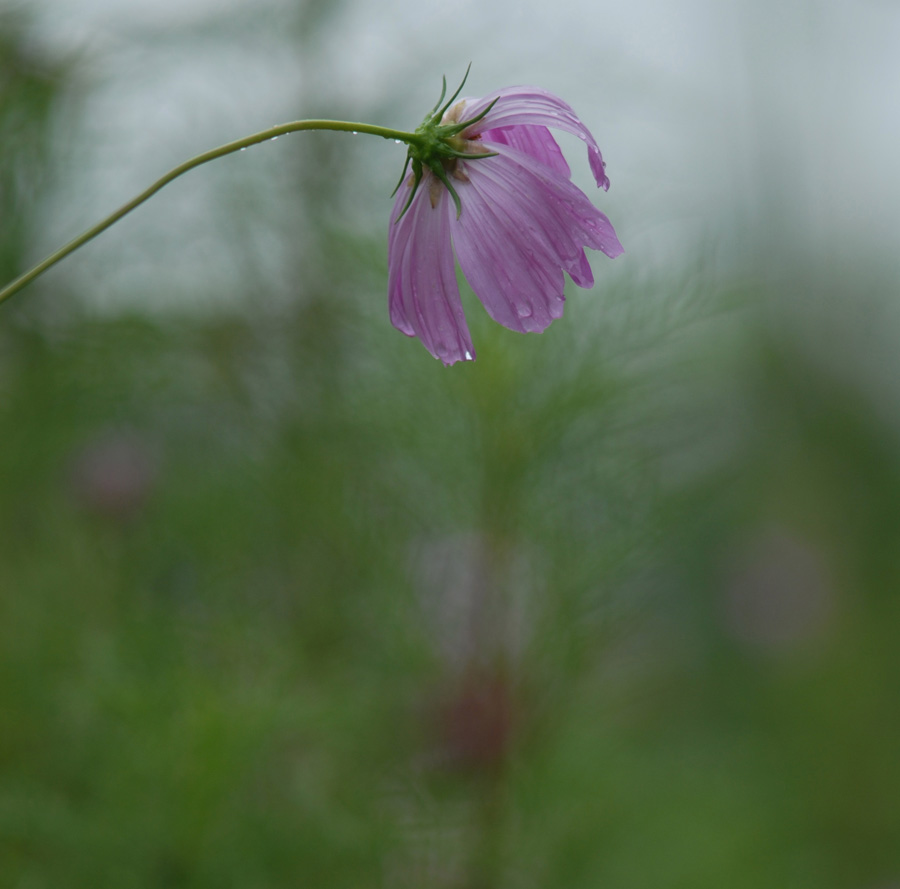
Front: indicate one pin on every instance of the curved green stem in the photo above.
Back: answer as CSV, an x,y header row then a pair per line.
x,y
221,151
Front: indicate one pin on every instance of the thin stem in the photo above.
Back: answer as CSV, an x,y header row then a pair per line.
x,y
221,151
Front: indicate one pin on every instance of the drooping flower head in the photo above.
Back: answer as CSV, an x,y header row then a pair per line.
x,y
489,181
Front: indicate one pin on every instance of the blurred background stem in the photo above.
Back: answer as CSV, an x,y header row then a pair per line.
x,y
486,869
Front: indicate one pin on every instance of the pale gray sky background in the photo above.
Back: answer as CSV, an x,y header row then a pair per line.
x,y
773,121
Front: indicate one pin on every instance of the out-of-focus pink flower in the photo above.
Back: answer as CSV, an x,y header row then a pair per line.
x,y
512,215
114,475
781,593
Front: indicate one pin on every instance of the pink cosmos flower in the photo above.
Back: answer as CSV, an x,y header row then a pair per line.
x,y
491,183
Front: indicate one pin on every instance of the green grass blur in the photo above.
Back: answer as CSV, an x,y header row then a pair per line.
x,y
283,602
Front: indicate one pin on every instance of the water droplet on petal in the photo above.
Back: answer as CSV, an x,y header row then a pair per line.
x,y
468,356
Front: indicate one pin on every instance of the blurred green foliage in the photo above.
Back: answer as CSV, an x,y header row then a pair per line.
x,y
285,602
34,89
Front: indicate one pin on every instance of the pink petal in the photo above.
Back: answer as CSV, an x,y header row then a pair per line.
x,y
532,106
423,295
535,141
513,243
588,226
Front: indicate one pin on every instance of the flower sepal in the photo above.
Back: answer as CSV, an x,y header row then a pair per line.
x,y
438,146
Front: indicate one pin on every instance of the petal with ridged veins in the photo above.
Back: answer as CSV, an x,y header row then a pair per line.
x,y
533,106
523,225
537,142
423,295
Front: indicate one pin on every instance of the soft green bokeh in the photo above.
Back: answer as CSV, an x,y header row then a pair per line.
x,y
284,602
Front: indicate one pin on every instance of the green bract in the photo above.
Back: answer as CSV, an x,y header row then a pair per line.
x,y
437,147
